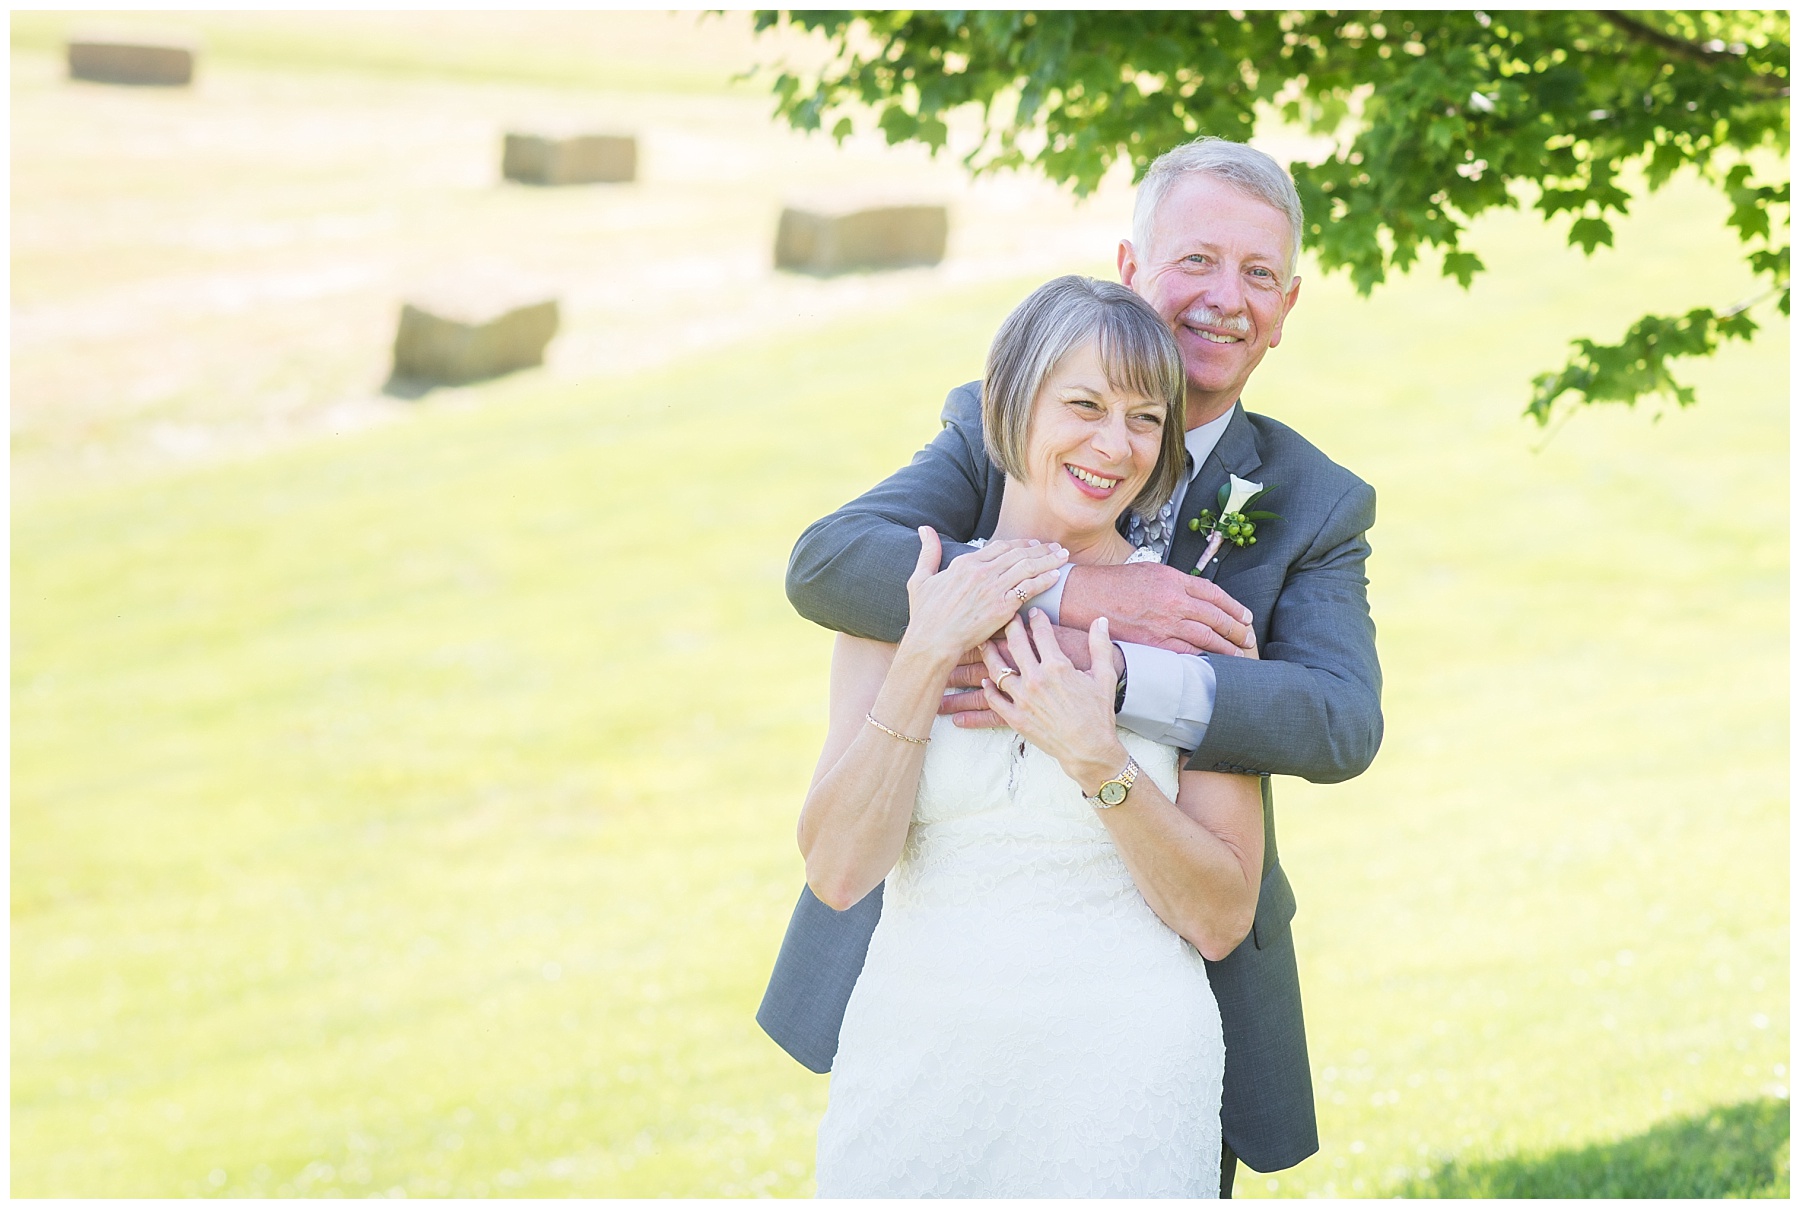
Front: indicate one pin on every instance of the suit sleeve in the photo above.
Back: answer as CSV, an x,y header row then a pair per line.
x,y
1311,706
848,571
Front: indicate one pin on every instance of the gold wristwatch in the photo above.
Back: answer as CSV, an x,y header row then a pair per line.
x,y
1113,792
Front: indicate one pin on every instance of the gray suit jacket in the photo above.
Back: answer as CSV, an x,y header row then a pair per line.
x,y
1310,707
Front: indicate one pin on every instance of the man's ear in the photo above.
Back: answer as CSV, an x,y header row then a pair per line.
x,y
1127,263
1287,306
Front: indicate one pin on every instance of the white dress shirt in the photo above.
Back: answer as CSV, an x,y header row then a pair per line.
x,y
1168,697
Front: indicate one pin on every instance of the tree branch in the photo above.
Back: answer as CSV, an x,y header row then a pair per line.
x,y
1647,33
1633,28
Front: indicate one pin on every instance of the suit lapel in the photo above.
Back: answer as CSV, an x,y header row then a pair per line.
x,y
1234,454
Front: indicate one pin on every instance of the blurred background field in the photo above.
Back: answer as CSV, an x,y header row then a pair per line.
x,y
403,790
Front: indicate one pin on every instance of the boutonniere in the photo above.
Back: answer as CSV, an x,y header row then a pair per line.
x,y
1235,523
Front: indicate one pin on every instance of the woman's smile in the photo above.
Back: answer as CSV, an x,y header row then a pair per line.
x,y
1093,484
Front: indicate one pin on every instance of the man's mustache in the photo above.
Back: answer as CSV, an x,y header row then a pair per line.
x,y
1202,316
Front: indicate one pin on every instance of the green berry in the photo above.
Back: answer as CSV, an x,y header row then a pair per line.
x,y
1233,530
1248,528
1194,525
1253,541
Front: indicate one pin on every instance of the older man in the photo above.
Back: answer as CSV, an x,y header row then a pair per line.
x,y
1215,237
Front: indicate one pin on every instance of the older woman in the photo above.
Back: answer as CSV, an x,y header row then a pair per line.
x,y
1033,1017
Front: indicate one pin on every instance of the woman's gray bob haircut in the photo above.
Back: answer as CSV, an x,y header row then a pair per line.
x,y
1237,164
1137,354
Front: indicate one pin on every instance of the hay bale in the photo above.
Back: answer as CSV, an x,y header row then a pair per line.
x,y
541,159
480,327
882,237
123,59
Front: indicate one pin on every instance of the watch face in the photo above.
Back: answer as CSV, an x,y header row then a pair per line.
x,y
1112,793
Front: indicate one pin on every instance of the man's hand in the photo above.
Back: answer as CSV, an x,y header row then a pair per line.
x,y
970,709
1154,605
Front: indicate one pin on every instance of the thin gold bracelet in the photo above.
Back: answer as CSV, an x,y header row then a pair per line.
x,y
890,730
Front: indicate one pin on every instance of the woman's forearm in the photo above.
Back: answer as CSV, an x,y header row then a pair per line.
x,y
854,823
1202,881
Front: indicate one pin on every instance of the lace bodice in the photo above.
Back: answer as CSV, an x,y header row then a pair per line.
x,y
995,813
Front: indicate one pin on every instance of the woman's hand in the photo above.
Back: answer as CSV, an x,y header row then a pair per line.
x,y
1062,710
954,609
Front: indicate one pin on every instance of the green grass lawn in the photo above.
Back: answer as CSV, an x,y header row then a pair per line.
x,y
412,810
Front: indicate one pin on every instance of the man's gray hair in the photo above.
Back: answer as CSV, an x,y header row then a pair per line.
x,y
1239,165
1137,353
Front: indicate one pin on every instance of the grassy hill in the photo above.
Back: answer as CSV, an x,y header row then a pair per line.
x,y
412,809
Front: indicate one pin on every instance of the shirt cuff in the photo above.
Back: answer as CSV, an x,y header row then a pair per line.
x,y
1168,697
1050,599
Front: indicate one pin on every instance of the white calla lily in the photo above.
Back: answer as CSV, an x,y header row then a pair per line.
x,y
1241,492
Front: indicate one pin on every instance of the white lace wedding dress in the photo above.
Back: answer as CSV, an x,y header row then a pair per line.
x,y
1024,1025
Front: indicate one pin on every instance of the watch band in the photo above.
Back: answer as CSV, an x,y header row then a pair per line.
x,y
1113,791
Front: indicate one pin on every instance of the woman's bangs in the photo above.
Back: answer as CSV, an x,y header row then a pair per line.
x,y
1137,357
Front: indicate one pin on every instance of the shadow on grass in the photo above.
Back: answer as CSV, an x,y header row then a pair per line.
x,y
1739,1150
397,387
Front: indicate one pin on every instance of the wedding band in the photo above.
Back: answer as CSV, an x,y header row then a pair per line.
x,y
1001,678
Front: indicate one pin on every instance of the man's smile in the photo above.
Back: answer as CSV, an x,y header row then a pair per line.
x,y
1215,337
1215,328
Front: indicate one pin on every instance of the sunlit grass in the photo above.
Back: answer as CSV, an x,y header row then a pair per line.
x,y
667,52
414,809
